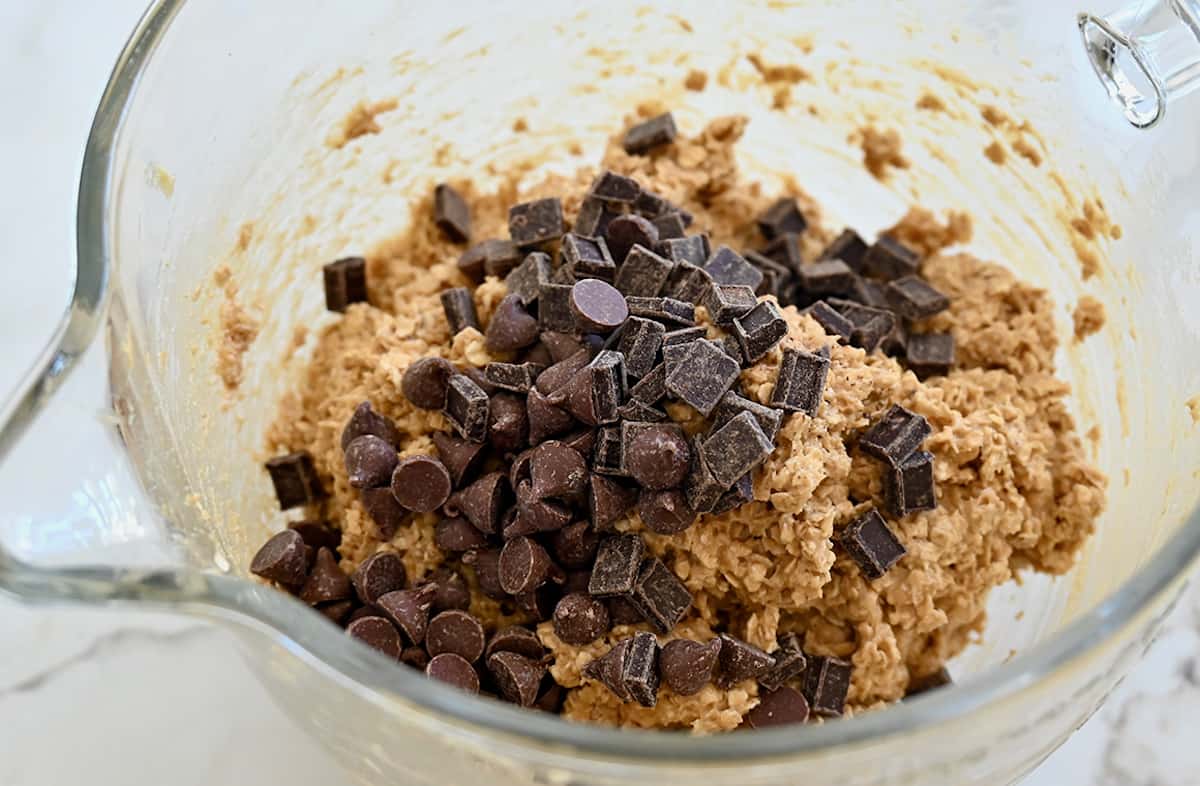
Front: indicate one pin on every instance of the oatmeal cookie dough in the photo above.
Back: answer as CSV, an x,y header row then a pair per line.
x,y
1014,489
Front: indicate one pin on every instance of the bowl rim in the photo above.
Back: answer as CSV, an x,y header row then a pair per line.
x,y
242,602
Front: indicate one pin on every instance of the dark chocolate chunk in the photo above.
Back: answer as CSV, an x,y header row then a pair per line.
x,y
557,376
826,682
660,596
317,534
516,639
895,436
826,277
783,216
552,698
575,545
594,217
625,232
702,376
421,483
518,678
609,668
366,420
493,257
741,493
831,320
663,309
409,610
732,347
913,298
526,279
562,346
467,408
789,663
451,214
652,205
735,449
455,631
872,544
639,412
687,666
377,633
702,490
665,512
801,381
598,307
453,670
848,247
621,611
450,589
482,502
869,292
759,331
644,273
587,257
531,223
536,515
283,559
777,277
524,566
539,603
461,457
476,375
670,226
554,308
377,575
871,334
640,342
416,657
607,455
890,259
424,384
486,563
645,136
639,671
726,302
769,419
595,393
727,266
687,282
580,619
938,679
517,377
608,501
786,250
693,249
295,480
930,354
612,187
909,487
557,472
460,310
657,457
583,440
511,327
739,661
385,512
457,535
896,343
508,423
617,563
652,387
345,283
370,462
778,707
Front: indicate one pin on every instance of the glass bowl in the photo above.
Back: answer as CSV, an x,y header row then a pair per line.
x,y
217,143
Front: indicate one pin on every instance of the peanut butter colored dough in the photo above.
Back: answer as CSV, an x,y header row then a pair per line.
x,y
1014,489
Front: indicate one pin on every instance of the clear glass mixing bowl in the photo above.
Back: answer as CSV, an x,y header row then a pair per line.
x,y
140,481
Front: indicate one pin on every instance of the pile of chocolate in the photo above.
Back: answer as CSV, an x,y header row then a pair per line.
x,y
553,446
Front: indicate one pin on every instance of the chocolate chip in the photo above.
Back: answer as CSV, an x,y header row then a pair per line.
x,y
337,611
451,214
693,249
608,501
539,603
486,563
872,544
574,546
781,217
769,419
424,384
660,596
562,346
759,331
702,376
639,670
366,420
317,534
326,582
524,566
530,223
800,382
360,612
739,661
466,408
913,298
554,308
625,232
735,448
457,535
831,320
909,487
377,575
726,302
455,631
652,387
545,419
938,679
826,682
453,670
482,502
779,707
595,393
580,619
594,217
295,480
890,259
517,677
536,515
526,279
370,462
345,283
409,610
421,483
511,327
283,559
461,458
557,376
645,136
789,663
612,187
516,639
508,423
665,512
895,436
656,457
552,698
687,666
930,354
741,493
557,472
450,589
587,257
607,455
617,563
670,226
378,633
384,510
609,669
727,266
598,307
459,307
826,277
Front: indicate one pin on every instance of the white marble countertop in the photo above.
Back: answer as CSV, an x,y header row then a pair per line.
x,y
148,699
